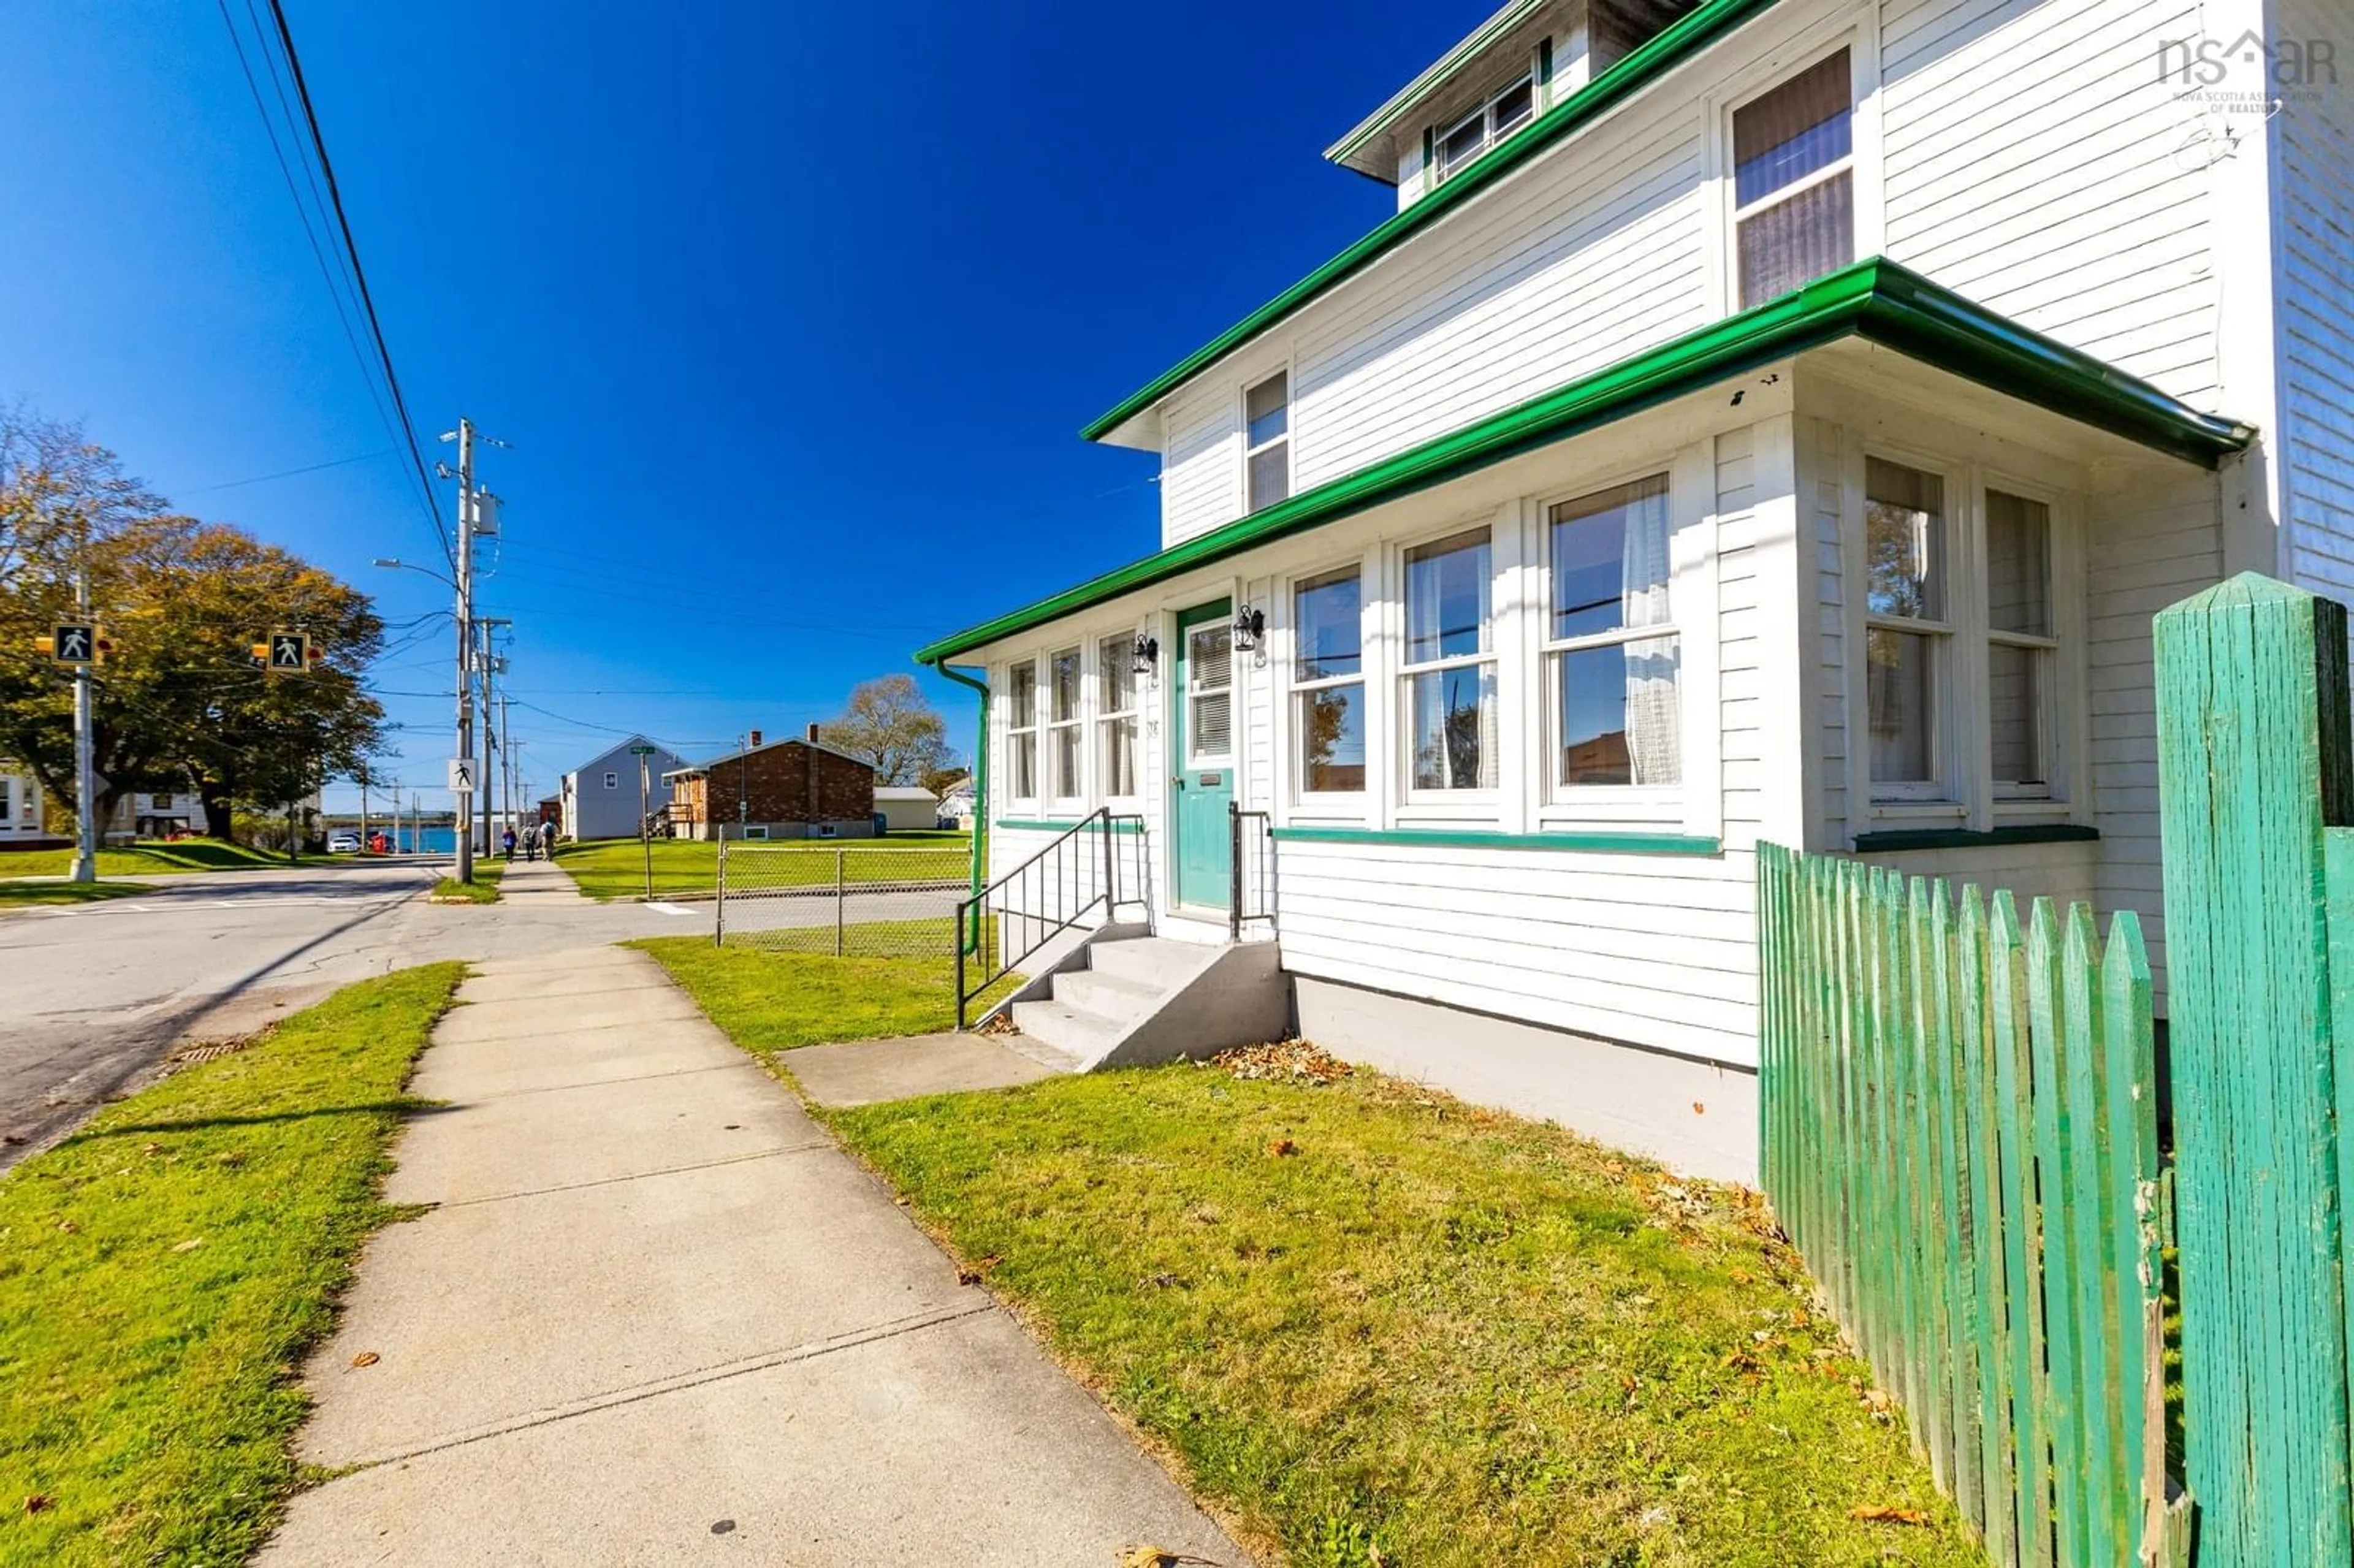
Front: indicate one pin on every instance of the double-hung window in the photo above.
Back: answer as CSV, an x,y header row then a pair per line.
x,y
2023,650
1611,647
1450,673
1794,181
1328,682
1485,126
1267,441
1021,730
1063,724
1908,651
1116,714
612,780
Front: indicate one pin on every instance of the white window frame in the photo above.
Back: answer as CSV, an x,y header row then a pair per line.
x,y
1739,90
1553,798
612,780
1404,671
1072,790
1291,688
1108,718
1945,792
1188,757
1290,429
2062,650
1021,730
754,831
1490,136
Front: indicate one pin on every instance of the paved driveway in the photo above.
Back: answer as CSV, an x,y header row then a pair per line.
x,y
93,997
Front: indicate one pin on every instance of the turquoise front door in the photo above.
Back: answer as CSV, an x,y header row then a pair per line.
x,y
1203,785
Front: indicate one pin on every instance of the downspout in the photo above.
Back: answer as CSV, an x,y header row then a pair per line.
x,y
980,796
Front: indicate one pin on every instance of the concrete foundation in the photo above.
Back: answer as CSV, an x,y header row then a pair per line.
x,y
1696,1117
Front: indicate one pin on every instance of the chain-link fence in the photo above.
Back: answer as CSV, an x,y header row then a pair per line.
x,y
858,900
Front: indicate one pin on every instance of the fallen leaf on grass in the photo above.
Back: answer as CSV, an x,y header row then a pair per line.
x,y
1289,1061
1282,1147
39,1503
365,1359
1157,1557
1884,1515
971,1274
191,1245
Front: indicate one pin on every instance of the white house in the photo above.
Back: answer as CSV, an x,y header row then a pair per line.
x,y
600,798
21,812
1762,420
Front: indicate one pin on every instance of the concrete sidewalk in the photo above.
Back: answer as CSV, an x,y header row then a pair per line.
x,y
658,1317
537,882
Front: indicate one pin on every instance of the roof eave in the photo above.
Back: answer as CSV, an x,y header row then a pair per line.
x,y
1875,299
1436,75
1657,57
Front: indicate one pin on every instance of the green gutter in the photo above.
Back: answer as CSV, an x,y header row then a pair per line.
x,y
1874,299
1694,33
971,939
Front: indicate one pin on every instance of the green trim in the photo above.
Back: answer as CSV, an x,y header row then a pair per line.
x,y
1671,48
1615,843
1040,825
968,940
1873,299
1964,838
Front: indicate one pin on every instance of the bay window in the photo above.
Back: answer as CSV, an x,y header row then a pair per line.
x,y
1327,676
1063,724
1021,730
1116,714
1449,672
1794,182
1611,651
2022,648
1907,658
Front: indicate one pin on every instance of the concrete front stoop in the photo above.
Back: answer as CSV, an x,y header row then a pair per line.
x,y
1129,1000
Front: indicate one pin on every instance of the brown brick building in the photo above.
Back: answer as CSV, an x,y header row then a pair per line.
x,y
783,789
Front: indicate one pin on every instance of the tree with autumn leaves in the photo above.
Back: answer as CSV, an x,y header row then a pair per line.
x,y
178,703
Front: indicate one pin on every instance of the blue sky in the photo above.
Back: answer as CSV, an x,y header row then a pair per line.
x,y
791,311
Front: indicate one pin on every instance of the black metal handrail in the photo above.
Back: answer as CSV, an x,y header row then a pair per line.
x,y
1007,921
1256,851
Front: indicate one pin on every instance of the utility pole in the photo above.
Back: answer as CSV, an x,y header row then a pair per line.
x,y
494,743
507,766
464,819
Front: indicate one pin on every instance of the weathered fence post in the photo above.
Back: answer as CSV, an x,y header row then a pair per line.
x,y
2255,771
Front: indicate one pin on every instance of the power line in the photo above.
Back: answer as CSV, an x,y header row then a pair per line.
x,y
359,273
337,462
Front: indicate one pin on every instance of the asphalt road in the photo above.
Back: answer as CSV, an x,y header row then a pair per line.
x,y
93,998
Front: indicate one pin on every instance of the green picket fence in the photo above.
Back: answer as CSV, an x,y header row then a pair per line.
x,y
1959,1122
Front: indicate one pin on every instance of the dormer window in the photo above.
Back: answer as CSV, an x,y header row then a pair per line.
x,y
1487,125
1266,453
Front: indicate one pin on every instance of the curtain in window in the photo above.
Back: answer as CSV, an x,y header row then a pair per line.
x,y
1654,741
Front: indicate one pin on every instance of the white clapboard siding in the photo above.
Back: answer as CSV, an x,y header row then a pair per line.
x,y
2314,306
2032,164
1824,697
1202,455
2145,549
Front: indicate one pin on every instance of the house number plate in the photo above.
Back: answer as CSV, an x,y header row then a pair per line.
x,y
1210,780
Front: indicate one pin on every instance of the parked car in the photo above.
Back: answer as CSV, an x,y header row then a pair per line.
x,y
344,841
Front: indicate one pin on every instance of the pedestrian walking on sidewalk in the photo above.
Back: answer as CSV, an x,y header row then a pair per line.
x,y
508,840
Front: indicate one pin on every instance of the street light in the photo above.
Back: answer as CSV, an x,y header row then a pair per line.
x,y
391,565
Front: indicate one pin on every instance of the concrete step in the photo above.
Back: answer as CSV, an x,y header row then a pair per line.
x,y
1073,1031
1038,1050
1162,962
1114,996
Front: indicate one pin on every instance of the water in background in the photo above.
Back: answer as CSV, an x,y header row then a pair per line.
x,y
423,841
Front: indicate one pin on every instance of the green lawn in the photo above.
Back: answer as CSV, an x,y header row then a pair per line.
x,y
616,868
21,895
163,1271
1371,1324
131,860
774,1000
484,889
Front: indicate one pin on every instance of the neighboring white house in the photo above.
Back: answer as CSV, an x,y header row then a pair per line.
x,y
21,812
1762,420
906,807
601,797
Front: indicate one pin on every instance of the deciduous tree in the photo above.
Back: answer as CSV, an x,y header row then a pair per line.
x,y
889,724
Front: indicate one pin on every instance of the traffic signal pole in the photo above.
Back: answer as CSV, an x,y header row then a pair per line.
x,y
85,866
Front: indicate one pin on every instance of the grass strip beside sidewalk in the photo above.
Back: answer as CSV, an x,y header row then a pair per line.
x,y
163,1271
484,889
770,1000
1377,1325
